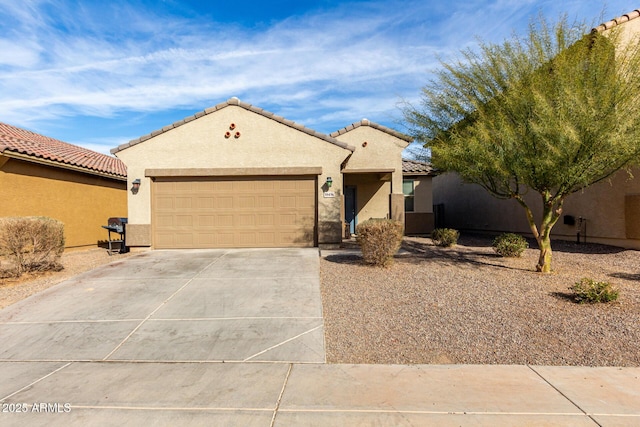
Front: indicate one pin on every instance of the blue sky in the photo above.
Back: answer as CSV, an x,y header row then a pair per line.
x,y
100,73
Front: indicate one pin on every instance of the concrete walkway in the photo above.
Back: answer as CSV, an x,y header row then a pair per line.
x,y
235,338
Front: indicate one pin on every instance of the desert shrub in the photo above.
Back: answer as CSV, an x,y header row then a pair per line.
x,y
379,240
445,236
32,243
591,291
510,245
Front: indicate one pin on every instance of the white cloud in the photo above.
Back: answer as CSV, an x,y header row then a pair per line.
x,y
64,59
92,75
16,56
102,145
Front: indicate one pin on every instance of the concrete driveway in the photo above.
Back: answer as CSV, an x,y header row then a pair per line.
x,y
200,305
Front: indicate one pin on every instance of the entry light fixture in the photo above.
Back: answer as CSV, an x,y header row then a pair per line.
x,y
329,182
135,186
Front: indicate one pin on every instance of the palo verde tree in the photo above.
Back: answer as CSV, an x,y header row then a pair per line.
x,y
551,112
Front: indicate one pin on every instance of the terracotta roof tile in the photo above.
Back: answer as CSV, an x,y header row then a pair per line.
x,y
246,106
617,21
414,167
27,143
365,122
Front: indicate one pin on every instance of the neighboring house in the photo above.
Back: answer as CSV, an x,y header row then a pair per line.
x,y
235,175
41,176
418,201
607,212
630,29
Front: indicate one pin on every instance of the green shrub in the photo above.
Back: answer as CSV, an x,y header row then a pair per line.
x,y
445,236
32,243
591,291
379,240
510,245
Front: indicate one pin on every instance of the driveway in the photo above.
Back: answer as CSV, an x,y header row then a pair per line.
x,y
252,305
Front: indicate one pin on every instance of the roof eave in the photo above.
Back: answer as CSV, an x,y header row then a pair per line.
x,y
47,162
364,122
249,107
617,21
433,173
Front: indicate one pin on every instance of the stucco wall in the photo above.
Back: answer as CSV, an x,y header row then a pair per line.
x,y
470,207
628,31
422,193
82,202
420,221
382,151
264,143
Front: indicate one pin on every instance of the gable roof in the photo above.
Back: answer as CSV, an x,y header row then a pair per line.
x,y
414,167
27,145
246,106
365,122
617,21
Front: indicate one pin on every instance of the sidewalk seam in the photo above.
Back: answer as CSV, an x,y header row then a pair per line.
x,y
564,395
35,382
284,386
282,343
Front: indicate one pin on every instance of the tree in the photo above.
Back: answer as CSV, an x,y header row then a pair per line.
x,y
552,112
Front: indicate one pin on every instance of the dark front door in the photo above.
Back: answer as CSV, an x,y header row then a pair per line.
x,y
350,207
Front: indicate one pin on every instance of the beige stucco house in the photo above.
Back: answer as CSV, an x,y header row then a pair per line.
x,y
417,187
607,212
235,175
42,176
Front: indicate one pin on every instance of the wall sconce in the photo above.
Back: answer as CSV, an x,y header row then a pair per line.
x,y
135,186
329,182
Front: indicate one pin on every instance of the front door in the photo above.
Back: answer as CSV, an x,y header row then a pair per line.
x,y
350,207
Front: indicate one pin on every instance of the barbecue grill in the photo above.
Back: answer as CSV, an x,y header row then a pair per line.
x,y
116,225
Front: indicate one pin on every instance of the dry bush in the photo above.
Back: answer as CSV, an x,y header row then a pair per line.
x,y
510,245
379,240
591,291
32,243
445,237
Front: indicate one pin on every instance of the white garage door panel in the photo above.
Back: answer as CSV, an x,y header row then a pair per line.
x,y
225,212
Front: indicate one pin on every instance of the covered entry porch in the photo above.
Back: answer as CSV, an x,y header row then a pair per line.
x,y
369,194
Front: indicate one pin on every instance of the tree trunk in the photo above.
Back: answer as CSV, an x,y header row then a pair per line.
x,y
551,211
544,261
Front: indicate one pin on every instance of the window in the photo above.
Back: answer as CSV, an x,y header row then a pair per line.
x,y
407,189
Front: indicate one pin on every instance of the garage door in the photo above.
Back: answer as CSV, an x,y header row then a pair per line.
x,y
233,212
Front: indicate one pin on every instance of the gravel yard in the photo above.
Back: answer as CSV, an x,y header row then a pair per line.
x,y
467,305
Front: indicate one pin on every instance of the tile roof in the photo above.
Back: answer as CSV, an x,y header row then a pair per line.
x,y
414,167
617,21
14,140
246,106
365,122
